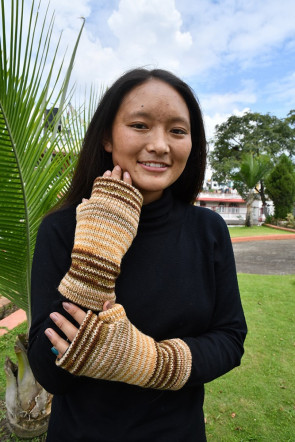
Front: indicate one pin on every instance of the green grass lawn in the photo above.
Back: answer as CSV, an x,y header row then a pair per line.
x,y
236,232
256,401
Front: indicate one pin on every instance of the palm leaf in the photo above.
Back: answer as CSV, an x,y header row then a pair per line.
x,y
34,165
252,170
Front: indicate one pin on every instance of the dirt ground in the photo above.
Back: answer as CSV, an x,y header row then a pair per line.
x,y
269,257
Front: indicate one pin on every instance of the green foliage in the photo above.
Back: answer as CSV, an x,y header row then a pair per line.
x,y
270,219
256,400
35,163
290,220
251,133
7,342
251,171
280,186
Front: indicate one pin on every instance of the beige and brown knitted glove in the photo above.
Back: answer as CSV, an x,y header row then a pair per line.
x,y
109,347
106,226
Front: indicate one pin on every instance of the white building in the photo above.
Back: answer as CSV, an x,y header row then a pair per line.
x,y
232,207
222,198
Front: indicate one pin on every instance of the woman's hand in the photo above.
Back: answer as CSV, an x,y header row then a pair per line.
x,y
60,344
118,174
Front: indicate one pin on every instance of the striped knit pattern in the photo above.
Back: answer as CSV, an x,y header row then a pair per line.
x,y
109,347
106,226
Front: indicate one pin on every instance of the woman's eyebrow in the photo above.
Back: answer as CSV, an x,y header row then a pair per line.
x,y
172,119
137,114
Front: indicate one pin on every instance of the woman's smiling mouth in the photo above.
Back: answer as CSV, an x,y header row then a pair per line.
x,y
152,166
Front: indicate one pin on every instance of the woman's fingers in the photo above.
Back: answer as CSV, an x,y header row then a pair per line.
x,y
107,173
76,312
127,178
107,306
60,346
64,325
118,174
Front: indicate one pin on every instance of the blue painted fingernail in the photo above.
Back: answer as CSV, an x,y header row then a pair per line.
x,y
54,351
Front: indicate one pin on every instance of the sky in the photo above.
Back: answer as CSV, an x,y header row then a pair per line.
x,y
237,55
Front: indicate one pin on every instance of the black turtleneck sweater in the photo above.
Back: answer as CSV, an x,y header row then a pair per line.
x,y
178,280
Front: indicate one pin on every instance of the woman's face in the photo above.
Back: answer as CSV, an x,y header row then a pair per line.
x,y
151,137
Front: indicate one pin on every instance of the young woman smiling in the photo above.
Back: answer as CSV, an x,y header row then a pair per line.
x,y
134,288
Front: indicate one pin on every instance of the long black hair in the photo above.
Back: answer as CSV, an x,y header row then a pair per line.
x,y
94,160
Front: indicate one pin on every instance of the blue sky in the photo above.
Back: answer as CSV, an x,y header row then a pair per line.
x,y
237,55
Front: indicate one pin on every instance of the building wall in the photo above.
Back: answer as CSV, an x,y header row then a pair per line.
x,y
230,206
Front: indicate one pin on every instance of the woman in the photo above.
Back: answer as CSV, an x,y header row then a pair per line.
x,y
164,314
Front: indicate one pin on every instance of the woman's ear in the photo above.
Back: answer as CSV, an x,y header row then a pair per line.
x,y
108,147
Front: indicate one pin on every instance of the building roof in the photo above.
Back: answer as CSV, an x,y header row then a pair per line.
x,y
221,200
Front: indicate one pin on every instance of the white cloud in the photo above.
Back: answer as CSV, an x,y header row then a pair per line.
x,y
226,103
282,90
238,30
149,34
211,121
201,40
146,35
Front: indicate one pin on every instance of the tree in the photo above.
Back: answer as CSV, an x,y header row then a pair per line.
x,y
35,168
280,186
251,133
250,173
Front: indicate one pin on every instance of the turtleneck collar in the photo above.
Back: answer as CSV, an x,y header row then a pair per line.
x,y
159,214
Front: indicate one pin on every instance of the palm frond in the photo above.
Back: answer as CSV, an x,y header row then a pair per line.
x,y
35,163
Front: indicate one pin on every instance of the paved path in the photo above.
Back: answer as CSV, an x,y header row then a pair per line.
x,y
266,257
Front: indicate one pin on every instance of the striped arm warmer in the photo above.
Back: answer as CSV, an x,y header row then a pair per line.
x,y
106,226
109,347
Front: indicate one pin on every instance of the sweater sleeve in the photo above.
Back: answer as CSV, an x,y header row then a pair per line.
x,y
51,260
220,348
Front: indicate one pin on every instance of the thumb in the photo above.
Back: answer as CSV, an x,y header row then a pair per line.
x,y
107,306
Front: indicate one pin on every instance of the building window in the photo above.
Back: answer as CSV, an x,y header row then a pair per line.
x,y
221,208
233,208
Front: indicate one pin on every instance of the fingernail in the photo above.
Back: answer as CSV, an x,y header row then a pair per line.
x,y
53,316
48,332
66,306
118,167
126,175
84,200
54,351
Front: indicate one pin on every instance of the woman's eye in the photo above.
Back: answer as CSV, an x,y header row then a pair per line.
x,y
179,131
138,126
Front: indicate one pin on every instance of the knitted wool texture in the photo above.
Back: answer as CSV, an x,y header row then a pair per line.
x,y
106,226
109,347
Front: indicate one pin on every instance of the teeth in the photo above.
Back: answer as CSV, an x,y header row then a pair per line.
x,y
154,164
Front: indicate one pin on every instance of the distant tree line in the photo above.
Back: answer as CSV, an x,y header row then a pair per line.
x,y
257,152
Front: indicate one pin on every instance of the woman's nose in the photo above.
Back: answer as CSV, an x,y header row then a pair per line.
x,y
158,142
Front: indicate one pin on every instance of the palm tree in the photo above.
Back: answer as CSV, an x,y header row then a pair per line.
x,y
36,162
252,171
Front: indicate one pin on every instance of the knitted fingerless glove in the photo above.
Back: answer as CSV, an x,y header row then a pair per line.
x,y
106,226
109,347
